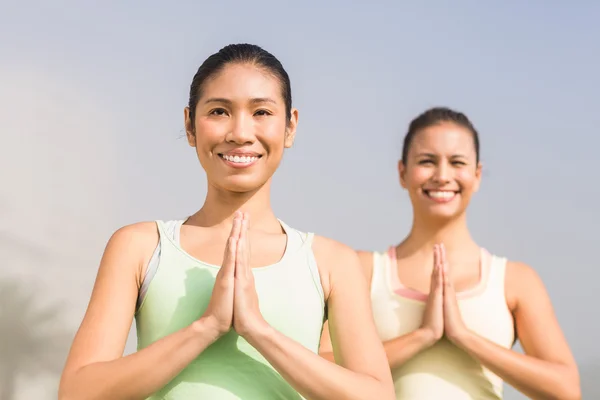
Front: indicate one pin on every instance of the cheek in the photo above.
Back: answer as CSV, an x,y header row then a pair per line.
x,y
210,131
466,179
272,137
417,176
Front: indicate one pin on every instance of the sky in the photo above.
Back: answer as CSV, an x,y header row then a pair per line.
x,y
91,131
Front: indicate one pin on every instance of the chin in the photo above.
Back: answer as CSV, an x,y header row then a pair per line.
x,y
242,184
442,212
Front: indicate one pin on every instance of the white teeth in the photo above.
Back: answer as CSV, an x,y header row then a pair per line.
x,y
441,195
240,159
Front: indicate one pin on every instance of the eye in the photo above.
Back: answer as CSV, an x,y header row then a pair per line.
x,y
425,162
458,163
262,113
218,112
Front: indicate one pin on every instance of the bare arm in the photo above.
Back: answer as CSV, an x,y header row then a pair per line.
x,y
95,368
548,369
363,373
398,350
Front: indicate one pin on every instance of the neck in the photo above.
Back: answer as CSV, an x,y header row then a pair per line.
x,y
220,206
426,232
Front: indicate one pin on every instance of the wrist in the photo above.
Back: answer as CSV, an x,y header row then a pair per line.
x,y
427,337
462,338
206,327
258,332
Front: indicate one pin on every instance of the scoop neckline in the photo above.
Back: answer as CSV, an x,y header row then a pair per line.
x,y
177,233
398,289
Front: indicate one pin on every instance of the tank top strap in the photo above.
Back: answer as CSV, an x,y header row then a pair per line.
x,y
166,230
300,244
380,273
295,238
312,265
160,225
496,271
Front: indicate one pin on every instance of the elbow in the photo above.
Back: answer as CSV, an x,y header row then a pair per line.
x,y
65,391
570,389
377,388
573,386
386,390
69,390
572,392
387,393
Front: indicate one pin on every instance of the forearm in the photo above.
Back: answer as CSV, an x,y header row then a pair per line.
x,y
537,379
140,374
400,349
313,376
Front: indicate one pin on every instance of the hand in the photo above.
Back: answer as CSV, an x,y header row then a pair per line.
x,y
433,318
219,313
247,318
454,327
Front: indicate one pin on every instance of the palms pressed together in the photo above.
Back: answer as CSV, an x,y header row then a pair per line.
x,y
442,314
234,301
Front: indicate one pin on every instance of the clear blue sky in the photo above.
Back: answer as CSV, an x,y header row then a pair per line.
x,y
91,110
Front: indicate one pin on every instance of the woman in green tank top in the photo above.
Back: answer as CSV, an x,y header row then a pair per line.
x,y
221,321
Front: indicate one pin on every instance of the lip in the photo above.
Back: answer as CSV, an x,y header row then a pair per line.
x,y
441,200
240,153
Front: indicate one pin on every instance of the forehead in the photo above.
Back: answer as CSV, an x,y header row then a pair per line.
x,y
242,81
445,138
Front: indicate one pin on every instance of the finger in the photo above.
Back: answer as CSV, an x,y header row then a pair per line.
x,y
444,260
231,249
228,267
242,259
236,226
239,260
247,237
435,270
244,226
447,281
440,280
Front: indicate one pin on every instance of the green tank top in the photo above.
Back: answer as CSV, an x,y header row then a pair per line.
x,y
291,301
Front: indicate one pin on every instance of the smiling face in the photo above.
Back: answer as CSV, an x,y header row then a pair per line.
x,y
441,171
240,127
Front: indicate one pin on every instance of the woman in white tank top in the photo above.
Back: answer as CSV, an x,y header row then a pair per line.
x,y
448,311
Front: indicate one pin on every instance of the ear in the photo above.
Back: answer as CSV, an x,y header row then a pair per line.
x,y
189,127
402,173
290,131
477,177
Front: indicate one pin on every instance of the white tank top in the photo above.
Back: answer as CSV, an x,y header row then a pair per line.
x,y
443,371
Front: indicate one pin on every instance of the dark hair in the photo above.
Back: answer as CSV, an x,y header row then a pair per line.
x,y
435,116
243,54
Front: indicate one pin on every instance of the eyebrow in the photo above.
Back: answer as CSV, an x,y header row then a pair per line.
x,y
256,100
435,155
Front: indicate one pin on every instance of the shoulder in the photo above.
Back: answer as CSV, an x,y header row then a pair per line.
x,y
138,234
366,262
133,245
337,262
332,252
522,282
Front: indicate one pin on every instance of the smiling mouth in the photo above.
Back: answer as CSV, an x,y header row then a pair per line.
x,y
240,159
441,196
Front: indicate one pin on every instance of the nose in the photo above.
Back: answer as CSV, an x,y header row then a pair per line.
x,y
241,131
442,173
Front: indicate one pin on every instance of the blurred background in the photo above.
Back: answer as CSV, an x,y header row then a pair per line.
x,y
91,139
